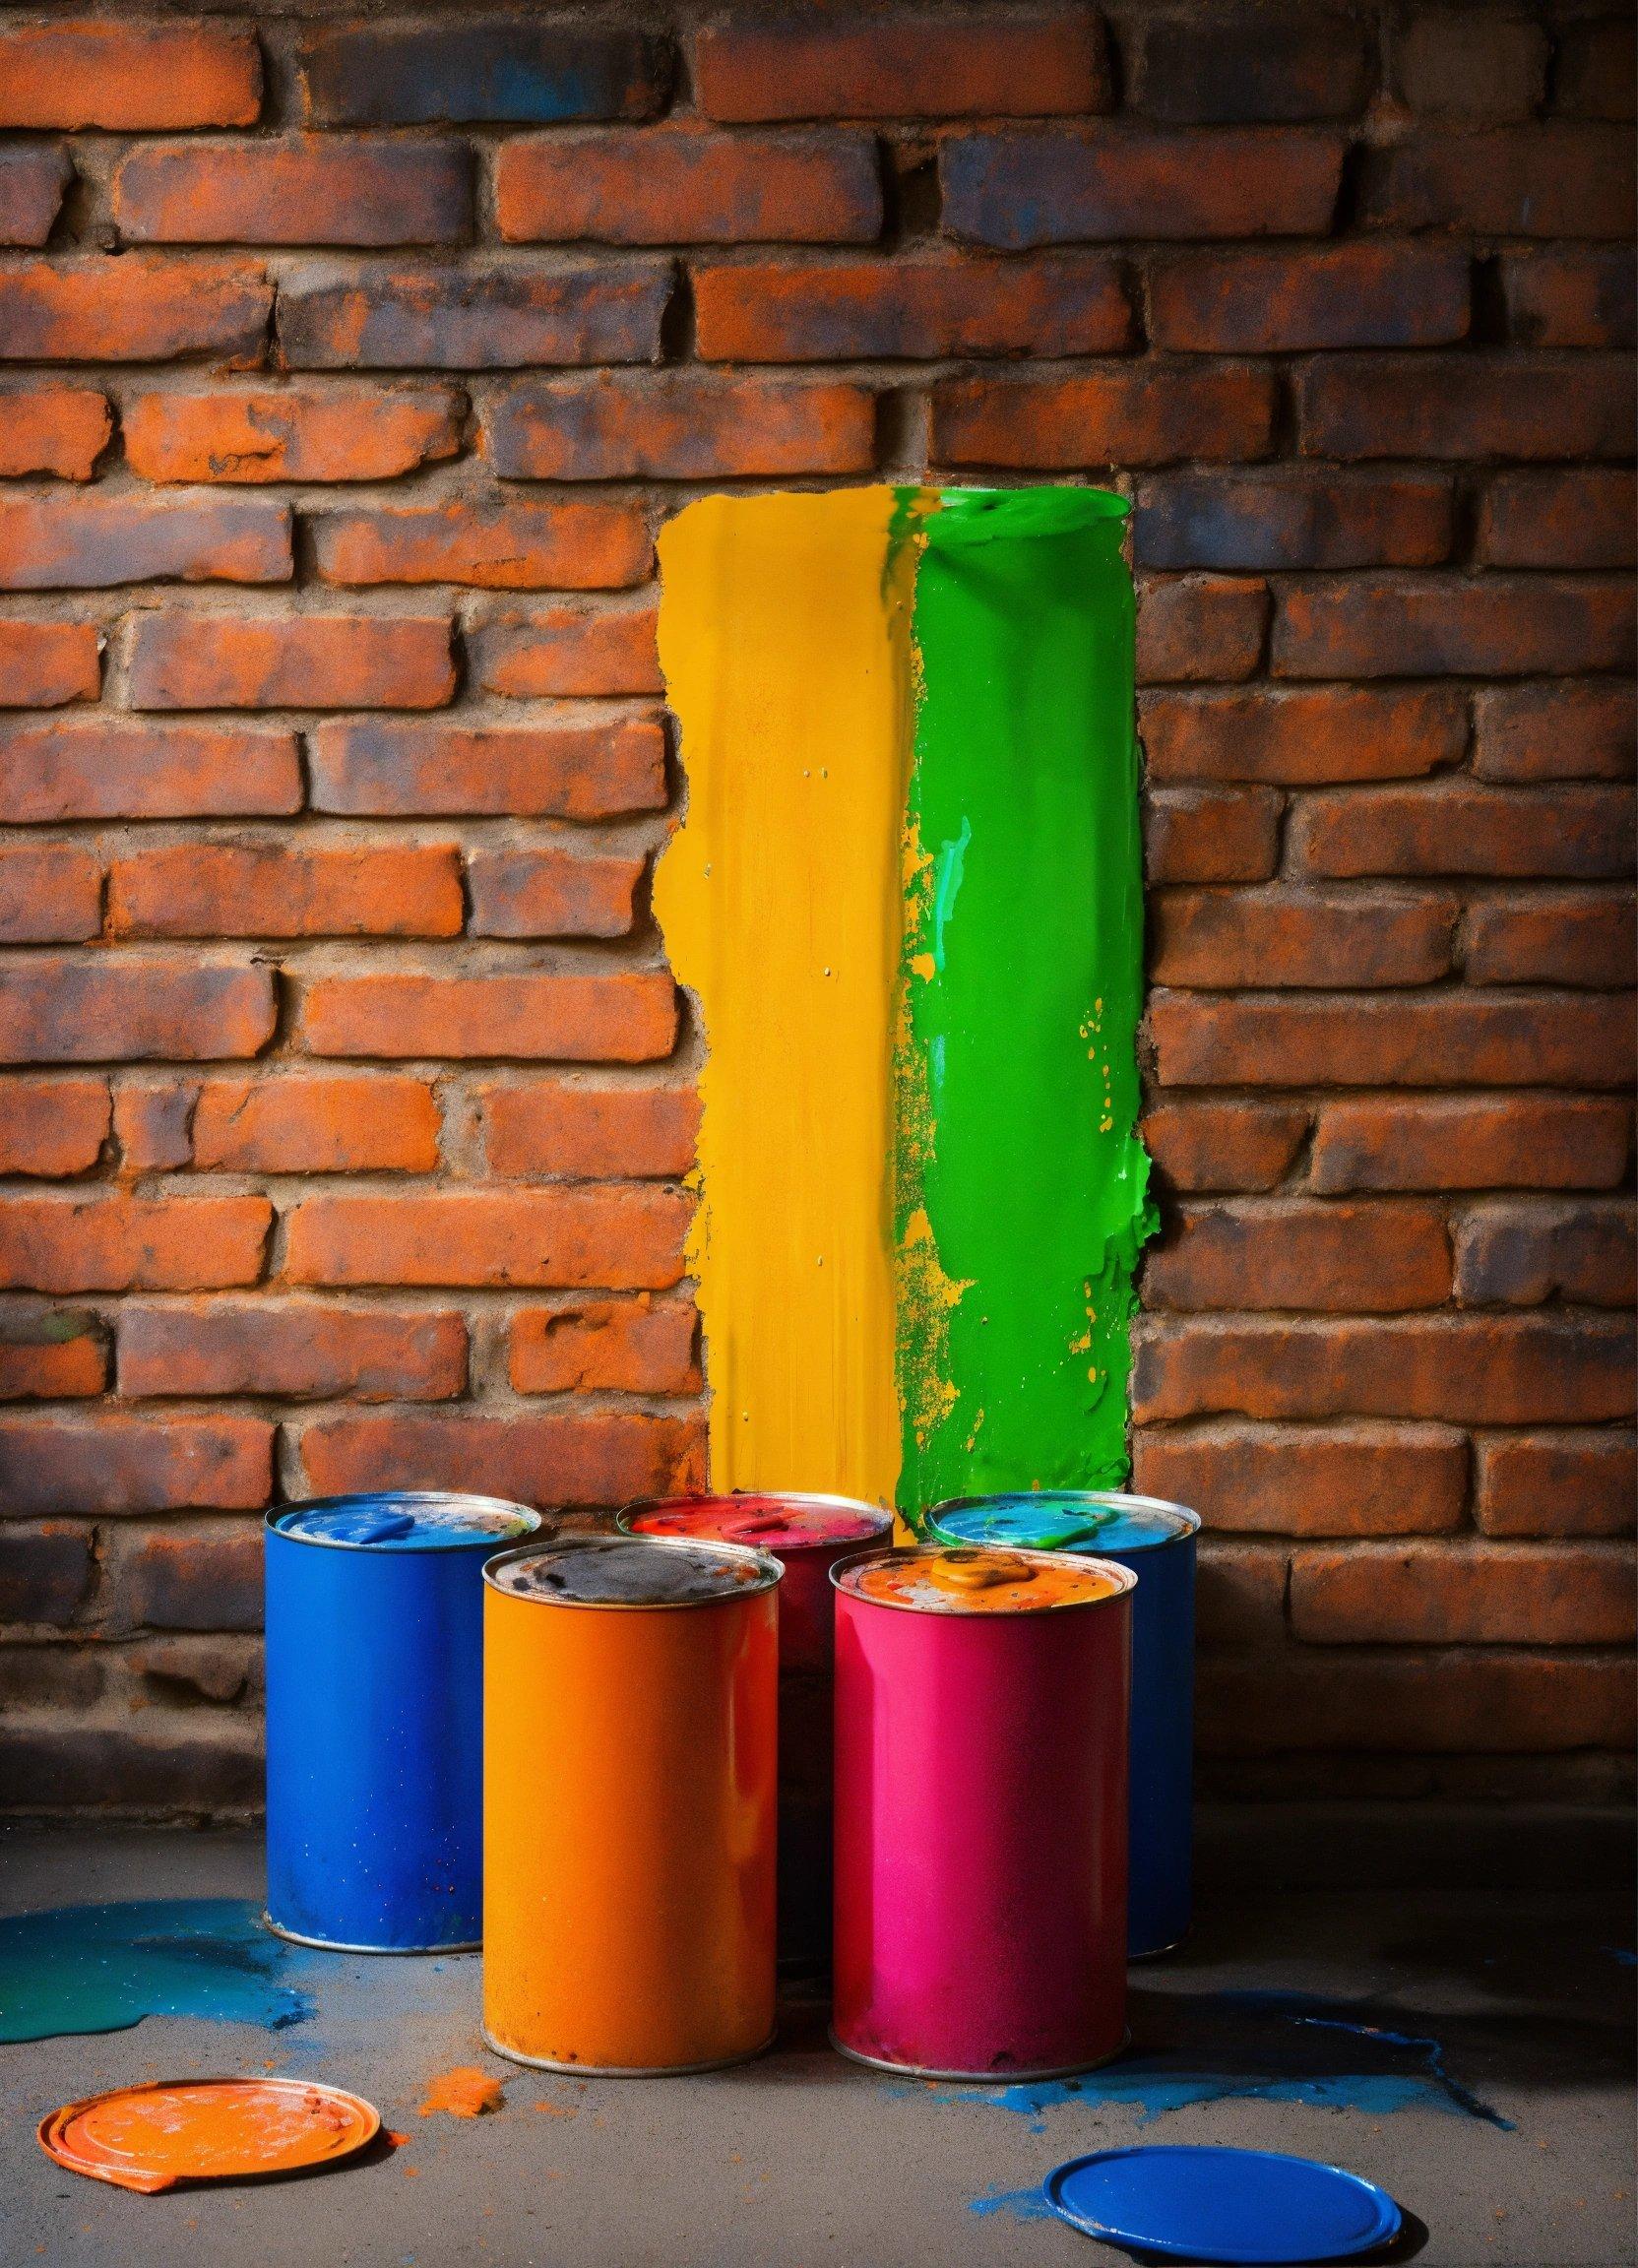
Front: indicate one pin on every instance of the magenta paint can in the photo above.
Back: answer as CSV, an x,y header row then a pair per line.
x,y
981,1704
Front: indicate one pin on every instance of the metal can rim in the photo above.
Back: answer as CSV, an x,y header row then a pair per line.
x,y
1189,1521
533,1521
768,1566
1125,1583
785,1497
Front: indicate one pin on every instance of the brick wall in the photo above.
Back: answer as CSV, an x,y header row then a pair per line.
x,y
348,372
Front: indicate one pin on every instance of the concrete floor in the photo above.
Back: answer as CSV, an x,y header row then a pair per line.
x,y
1384,2028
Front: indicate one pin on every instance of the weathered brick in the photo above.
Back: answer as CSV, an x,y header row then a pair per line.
x,y
1211,834
1291,302
318,190
1547,939
1376,1258
49,894
1239,1597
110,767
575,545
1575,730
1517,1255
1303,738
204,1669
152,1125
1225,940
1486,626
548,1130
44,1572
187,1575
302,430
1594,68
624,1016
1200,626
929,65
917,305
386,315
1573,295
1300,64
1482,64
677,425
1048,186
572,647
1115,417
53,428
32,184
51,1358
605,1457
550,893
1313,1481
637,1346
1568,1483
102,1242
305,1348
1581,518
1230,1145
1528,181
1463,1594
57,1010
566,771
682,185
1290,519
138,307
1453,827
82,542
191,660
1462,405
336,1123
45,665
1475,1142
497,72
114,1463
138,76
287,890
616,1239
192,1762
53,1126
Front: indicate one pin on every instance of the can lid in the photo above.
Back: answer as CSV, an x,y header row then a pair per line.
x,y
763,1522
407,1520
1193,2201
631,1571
1063,1520
936,1580
149,2137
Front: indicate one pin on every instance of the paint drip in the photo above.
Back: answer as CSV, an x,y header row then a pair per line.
x,y
82,1968
464,2092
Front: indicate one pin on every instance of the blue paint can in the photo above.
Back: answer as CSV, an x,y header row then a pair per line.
x,y
375,1718
1157,1541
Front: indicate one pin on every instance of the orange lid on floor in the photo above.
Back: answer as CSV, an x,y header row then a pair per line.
x,y
939,1581
149,2138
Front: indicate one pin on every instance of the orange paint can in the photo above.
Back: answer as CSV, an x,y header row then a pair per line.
x,y
630,1772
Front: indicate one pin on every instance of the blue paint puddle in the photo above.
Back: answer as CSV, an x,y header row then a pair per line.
x,y
1020,2204
75,1969
1622,1954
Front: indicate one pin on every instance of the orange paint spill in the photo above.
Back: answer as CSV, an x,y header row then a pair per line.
x,y
464,2093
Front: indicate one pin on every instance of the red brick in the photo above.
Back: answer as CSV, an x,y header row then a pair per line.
x,y
1462,1593
1573,1483
1376,1258
566,771
1457,829
1471,64
1487,625
551,892
1468,1369
609,1238
53,1126
116,1464
928,65
384,315
49,894
187,660
1200,626
151,1126
1299,64
576,545
607,1457
1565,732
141,75
572,647
640,1345
1462,405
683,185
1551,940
138,307
1475,1142
1211,834
188,1575
551,1128
1048,186
80,542
1291,301
1573,295
1288,519
287,890
1573,519
108,767
57,1010
305,1348
1119,418
1443,1040
1505,1703
1531,181
1239,1597
206,1669
32,184
498,71
339,1123
1304,738
629,1017
104,1242
1594,68
1229,1144
51,1358
917,306
677,425
1517,1255
57,430
1225,940
309,430
45,665
1316,1480
45,1574
323,189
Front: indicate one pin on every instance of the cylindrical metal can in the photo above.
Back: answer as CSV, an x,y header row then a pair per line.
x,y
807,1535
981,1811
629,1796
1157,1540
375,1718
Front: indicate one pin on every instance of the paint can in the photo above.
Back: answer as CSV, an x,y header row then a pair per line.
x,y
631,1697
807,1535
981,1811
375,1718
1157,1540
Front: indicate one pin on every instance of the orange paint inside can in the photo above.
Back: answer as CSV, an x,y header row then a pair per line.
x,y
149,2138
985,1582
464,2092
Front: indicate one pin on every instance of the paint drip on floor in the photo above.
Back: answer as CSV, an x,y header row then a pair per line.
x,y
79,1969
464,2092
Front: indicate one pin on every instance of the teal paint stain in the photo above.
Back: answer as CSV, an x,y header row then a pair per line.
x,y
83,1969
948,868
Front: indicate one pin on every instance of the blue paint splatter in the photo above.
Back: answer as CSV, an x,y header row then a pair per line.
x,y
75,1969
1622,1954
1022,2204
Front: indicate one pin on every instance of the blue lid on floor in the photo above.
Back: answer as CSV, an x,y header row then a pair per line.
x,y
1253,2207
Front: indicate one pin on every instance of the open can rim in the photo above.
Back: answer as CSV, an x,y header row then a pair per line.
x,y
767,1565
1122,1581
529,1522
1188,1521
796,1496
